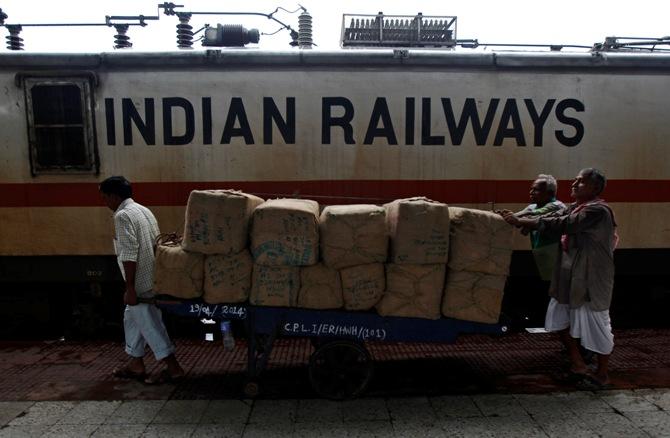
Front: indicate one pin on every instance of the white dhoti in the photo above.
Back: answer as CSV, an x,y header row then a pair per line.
x,y
593,329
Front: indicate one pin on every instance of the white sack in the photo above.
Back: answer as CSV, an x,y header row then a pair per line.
x,y
275,286
217,221
320,288
285,232
228,278
473,296
419,231
362,286
178,273
413,291
353,235
481,241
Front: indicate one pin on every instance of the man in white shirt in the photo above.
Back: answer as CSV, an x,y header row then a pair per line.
x,y
136,230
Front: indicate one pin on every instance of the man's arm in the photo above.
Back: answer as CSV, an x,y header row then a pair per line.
x,y
551,208
523,222
573,223
525,212
565,224
130,296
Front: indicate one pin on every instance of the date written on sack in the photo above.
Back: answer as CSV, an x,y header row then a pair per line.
x,y
218,311
348,331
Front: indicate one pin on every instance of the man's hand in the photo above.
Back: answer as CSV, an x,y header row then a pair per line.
x,y
130,296
503,213
510,218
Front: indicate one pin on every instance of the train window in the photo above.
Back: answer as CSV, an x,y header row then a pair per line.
x,y
60,125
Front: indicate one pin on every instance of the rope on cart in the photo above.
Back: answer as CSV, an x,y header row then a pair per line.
x,y
168,239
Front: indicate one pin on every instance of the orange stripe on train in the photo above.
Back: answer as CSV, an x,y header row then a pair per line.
x,y
325,191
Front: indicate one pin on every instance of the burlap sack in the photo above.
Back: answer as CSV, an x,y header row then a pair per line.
x,y
353,235
228,278
419,231
275,285
473,296
217,221
480,241
320,288
178,273
362,286
413,291
285,232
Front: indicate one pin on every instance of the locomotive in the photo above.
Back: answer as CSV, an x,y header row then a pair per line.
x,y
359,126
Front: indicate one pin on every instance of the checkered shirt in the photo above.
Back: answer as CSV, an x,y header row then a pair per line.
x,y
136,230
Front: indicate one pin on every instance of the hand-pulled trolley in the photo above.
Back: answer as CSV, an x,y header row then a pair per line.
x,y
340,366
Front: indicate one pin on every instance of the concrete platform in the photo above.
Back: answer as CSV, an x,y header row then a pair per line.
x,y
622,413
480,386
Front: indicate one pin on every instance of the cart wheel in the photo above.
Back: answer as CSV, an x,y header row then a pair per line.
x,y
252,389
340,369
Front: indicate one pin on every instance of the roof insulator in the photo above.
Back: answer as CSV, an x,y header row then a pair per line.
x,y
305,31
184,31
121,40
14,41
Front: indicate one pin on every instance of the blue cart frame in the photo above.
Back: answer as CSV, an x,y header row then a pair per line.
x,y
340,366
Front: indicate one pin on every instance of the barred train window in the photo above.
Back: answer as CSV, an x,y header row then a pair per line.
x,y
60,125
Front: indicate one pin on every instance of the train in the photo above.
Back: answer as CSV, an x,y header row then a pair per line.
x,y
470,129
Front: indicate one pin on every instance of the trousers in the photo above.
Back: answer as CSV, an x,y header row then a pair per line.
x,y
143,325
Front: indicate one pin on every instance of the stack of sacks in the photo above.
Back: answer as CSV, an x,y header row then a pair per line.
x,y
284,237
177,272
355,242
479,258
216,225
419,231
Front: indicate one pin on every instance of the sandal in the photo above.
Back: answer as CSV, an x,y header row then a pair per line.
x,y
127,373
590,383
163,377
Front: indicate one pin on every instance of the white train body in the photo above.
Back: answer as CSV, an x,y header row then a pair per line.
x,y
339,127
